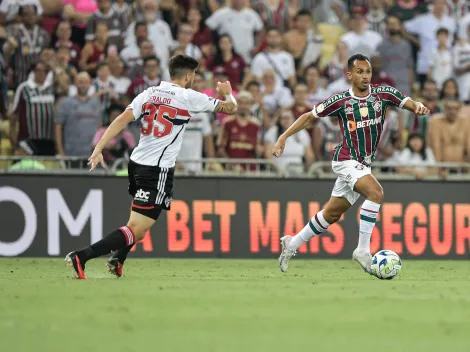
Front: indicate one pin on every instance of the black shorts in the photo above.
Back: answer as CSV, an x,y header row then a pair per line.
x,y
151,187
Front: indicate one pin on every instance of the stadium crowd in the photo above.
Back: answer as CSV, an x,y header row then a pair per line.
x,y
68,68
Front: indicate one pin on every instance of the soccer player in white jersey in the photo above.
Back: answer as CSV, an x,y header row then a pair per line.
x,y
164,112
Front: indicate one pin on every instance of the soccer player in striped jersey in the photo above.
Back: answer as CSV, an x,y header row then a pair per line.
x,y
361,112
164,112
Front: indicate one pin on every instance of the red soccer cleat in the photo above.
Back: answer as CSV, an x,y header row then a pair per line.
x,y
73,261
114,267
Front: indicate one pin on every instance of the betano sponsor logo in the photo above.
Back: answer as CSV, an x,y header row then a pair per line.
x,y
353,125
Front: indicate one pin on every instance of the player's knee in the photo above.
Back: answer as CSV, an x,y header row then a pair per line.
x,y
138,230
376,195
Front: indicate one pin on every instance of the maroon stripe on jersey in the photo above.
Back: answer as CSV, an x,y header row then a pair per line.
x,y
344,153
181,112
354,135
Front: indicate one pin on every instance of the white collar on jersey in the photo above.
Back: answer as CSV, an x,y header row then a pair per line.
x,y
360,98
162,83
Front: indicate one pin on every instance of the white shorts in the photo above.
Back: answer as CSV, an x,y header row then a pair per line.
x,y
348,172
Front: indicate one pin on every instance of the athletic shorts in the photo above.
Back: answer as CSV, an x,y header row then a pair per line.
x,y
348,173
151,187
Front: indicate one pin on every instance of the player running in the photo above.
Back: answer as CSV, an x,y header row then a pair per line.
x,y
164,112
361,111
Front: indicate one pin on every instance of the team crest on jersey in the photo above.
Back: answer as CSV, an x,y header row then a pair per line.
x,y
364,111
168,201
371,99
377,106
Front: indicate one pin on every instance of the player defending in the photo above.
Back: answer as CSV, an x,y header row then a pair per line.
x,y
164,112
361,111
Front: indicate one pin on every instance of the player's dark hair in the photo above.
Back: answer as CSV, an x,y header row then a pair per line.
x,y
151,58
422,151
140,24
252,83
180,65
446,82
357,57
302,13
442,30
273,28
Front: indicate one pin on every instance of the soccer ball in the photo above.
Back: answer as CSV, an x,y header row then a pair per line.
x,y
386,264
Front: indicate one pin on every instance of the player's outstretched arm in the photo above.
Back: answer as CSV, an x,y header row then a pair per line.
x,y
416,107
229,106
302,122
112,131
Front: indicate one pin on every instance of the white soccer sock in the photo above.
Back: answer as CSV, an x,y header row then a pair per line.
x,y
369,212
315,227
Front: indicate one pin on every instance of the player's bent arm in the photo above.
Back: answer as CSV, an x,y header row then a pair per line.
x,y
115,127
229,106
415,107
302,122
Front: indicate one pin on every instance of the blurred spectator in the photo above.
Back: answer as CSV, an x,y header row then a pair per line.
x,y
359,39
335,68
77,120
327,135
183,41
340,85
202,36
274,96
397,56
122,8
25,44
137,69
376,17
301,103
239,136
120,146
464,24
61,38
461,56
416,158
316,93
131,54
441,65
241,23
405,10
4,99
9,9
159,32
78,12
116,23
457,9
103,88
430,95
302,42
63,61
425,27
231,63
33,111
448,135
389,144
298,153
276,59
257,107
94,52
119,80
378,75
273,13
151,78
450,90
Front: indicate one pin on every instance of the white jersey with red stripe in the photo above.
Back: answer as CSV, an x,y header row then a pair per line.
x,y
164,112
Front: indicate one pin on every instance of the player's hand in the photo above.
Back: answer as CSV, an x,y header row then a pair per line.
x,y
278,148
420,109
224,88
95,159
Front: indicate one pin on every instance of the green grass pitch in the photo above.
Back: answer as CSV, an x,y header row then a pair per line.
x,y
233,305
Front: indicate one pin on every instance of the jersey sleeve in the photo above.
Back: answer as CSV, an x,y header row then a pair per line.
x,y
199,102
329,106
392,96
137,103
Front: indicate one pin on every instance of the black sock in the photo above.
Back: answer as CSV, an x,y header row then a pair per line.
x,y
121,254
117,239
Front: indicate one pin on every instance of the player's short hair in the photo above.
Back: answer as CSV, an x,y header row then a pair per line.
x,y
357,57
151,58
180,65
139,24
273,28
301,13
442,30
